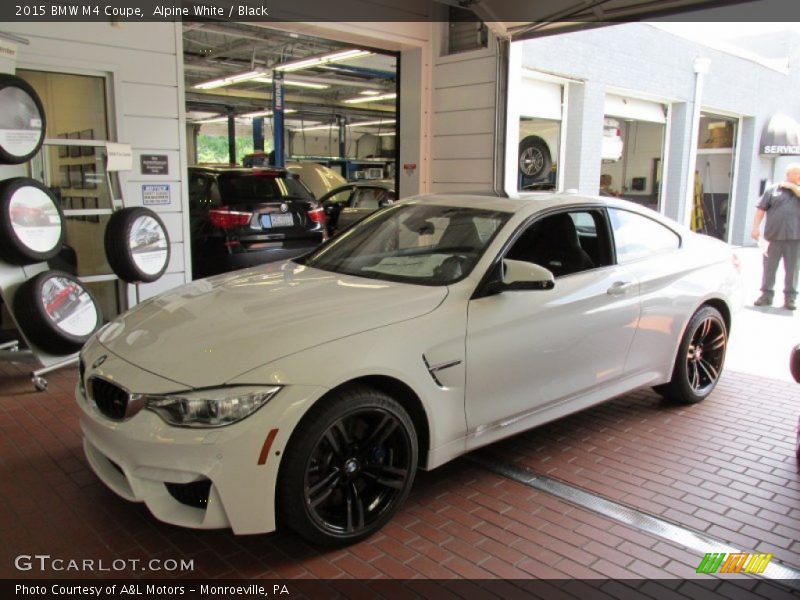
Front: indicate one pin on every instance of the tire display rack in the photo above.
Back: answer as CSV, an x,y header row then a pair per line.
x,y
54,312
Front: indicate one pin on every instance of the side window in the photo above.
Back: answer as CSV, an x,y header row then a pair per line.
x,y
341,197
566,242
636,236
366,198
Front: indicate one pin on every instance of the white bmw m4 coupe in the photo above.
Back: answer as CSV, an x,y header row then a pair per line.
x,y
306,394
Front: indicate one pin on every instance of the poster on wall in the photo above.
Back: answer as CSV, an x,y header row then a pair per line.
x,y
22,122
148,243
35,219
69,306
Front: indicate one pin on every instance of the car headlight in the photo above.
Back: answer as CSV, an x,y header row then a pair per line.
x,y
210,408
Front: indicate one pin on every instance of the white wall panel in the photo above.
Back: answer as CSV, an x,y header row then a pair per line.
x,y
464,97
167,282
464,121
148,133
468,71
472,170
149,100
463,146
175,259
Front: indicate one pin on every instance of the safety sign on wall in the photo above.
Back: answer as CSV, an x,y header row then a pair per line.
x,y
155,194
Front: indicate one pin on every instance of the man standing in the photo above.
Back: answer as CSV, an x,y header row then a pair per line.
x,y
781,205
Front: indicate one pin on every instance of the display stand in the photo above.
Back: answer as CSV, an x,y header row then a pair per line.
x,y
10,279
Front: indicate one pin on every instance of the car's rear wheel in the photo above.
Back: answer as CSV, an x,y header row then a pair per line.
x,y
349,466
700,358
534,157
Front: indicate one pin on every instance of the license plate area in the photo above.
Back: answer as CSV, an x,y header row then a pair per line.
x,y
268,221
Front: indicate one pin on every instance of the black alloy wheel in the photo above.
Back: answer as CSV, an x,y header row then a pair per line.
x,y
700,359
352,461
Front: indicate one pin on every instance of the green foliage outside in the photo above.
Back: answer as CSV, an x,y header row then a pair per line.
x,y
214,148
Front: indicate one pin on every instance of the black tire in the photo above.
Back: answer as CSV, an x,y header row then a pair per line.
x,y
46,329
24,238
360,446
794,363
700,359
20,106
120,245
534,158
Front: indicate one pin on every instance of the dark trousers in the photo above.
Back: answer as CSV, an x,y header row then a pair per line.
x,y
789,251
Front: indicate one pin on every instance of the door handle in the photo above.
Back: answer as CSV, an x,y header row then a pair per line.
x,y
620,288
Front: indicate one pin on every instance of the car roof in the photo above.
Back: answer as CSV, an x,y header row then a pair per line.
x,y
217,169
533,202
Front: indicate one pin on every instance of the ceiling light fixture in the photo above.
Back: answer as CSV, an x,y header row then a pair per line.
x,y
295,83
361,124
229,80
265,113
363,99
386,134
306,63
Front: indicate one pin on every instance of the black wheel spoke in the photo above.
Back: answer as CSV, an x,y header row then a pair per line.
x,y
333,443
354,502
324,488
391,477
709,369
384,429
718,342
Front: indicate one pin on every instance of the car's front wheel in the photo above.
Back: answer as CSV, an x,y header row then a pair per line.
x,y
701,356
349,466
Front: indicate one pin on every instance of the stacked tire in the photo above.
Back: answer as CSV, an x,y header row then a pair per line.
x,y
54,310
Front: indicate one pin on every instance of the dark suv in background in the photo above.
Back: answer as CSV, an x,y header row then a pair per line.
x,y
242,217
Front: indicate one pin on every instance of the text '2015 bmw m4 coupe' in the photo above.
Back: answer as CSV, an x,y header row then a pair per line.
x,y
306,394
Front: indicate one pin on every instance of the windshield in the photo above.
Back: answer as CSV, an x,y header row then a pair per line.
x,y
238,188
412,243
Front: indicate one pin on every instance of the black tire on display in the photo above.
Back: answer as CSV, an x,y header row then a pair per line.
x,y
56,312
348,467
534,157
794,363
137,260
31,222
701,356
22,120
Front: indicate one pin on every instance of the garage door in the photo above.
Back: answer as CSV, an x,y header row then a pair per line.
x,y
540,99
635,109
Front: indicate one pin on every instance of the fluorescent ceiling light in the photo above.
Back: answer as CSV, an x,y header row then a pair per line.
x,y
370,93
369,123
363,99
361,124
265,113
295,83
229,80
386,134
305,63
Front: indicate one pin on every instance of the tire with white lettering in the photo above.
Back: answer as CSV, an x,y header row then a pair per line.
x,y
56,312
22,120
31,222
137,245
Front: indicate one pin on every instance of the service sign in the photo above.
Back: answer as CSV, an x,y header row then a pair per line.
x,y
156,194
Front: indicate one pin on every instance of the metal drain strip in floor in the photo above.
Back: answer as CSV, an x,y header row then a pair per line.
x,y
693,540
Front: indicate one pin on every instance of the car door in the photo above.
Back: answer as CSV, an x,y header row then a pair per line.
x,y
364,201
530,350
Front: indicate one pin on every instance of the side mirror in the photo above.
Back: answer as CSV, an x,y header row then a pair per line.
x,y
794,363
521,275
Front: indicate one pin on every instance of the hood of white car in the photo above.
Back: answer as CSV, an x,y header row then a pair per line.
x,y
212,330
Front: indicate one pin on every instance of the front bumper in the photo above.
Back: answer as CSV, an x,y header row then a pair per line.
x,y
198,478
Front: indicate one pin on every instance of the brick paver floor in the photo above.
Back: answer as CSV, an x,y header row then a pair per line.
x,y
725,467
